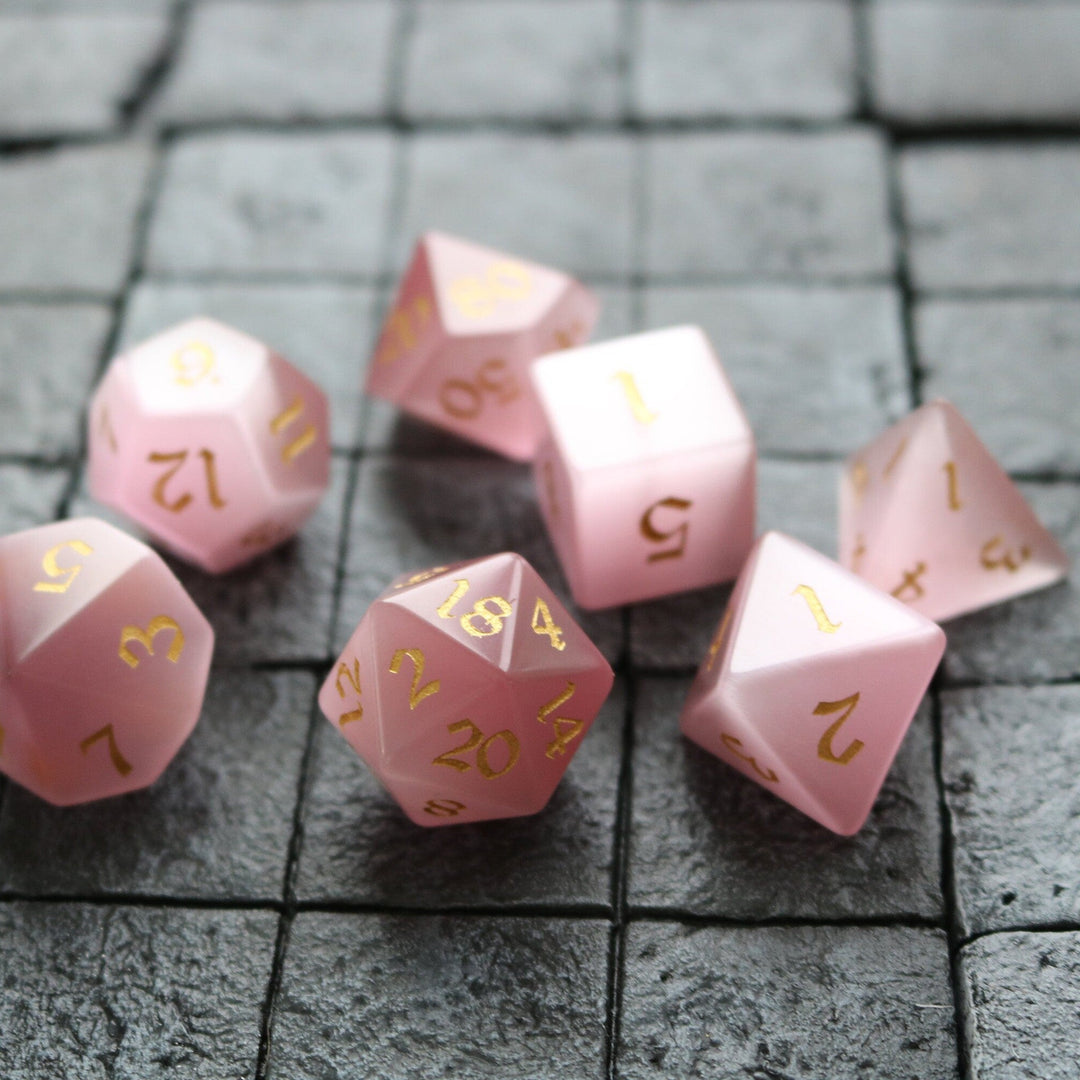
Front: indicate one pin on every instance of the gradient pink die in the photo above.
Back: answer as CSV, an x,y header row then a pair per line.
x,y
217,446
467,689
467,323
647,478
928,515
103,661
811,682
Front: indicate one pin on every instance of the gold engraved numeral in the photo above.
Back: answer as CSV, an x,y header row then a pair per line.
x,y
417,693
403,328
146,639
491,621
860,480
898,453
735,746
566,728
192,363
423,575
642,413
477,743
285,420
120,763
477,298
824,623
1007,560
910,583
52,567
655,536
543,623
465,400
718,640
954,490
824,747
105,424
182,501
567,339
352,677
444,807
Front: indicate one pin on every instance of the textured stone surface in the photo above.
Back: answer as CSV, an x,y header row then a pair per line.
x,y
536,196
817,370
272,203
68,217
313,60
216,825
1003,363
378,996
767,204
30,496
1010,761
131,993
327,331
477,59
706,840
70,73
354,834
935,61
1021,995
56,350
1035,637
990,217
840,1002
747,58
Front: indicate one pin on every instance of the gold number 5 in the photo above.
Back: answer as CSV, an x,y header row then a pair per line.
x,y
146,639
55,570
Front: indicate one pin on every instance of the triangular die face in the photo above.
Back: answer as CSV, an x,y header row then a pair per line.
x,y
569,323
434,804
484,291
799,606
348,697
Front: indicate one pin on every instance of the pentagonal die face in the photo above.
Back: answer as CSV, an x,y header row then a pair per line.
x,y
646,482
104,664
212,443
467,324
467,690
811,681
928,515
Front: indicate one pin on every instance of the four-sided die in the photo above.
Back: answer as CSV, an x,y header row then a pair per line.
x,y
811,681
467,689
468,321
217,446
646,480
103,661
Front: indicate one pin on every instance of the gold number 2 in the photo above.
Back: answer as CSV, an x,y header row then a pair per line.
x,y
51,567
352,676
417,693
146,639
566,728
120,763
824,749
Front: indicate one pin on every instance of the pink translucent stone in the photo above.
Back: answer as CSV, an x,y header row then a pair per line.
x,y
928,515
646,481
811,681
467,690
214,444
467,323
103,661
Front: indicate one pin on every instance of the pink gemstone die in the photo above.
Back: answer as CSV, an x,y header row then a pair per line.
x,y
215,445
811,681
467,323
103,665
646,482
467,689
928,515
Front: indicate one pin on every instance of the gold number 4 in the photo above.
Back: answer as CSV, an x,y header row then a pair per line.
x,y
182,501
146,639
417,693
544,624
120,763
825,749
566,728
54,570
476,742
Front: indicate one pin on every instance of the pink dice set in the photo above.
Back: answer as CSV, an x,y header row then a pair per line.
x,y
468,688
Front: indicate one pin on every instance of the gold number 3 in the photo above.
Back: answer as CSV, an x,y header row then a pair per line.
x,y
146,639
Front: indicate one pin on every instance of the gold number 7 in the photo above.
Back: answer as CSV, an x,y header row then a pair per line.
x,y
845,707
120,763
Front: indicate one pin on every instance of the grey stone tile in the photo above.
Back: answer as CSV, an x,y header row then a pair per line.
x,y
125,992
410,515
441,997
216,825
706,840
273,203
768,204
747,58
1035,637
817,370
472,58
992,217
49,355
563,200
991,61
1011,755
87,6
71,73
276,608
841,1002
797,498
320,59
29,497
325,330
1021,995
68,217
1010,367
354,834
